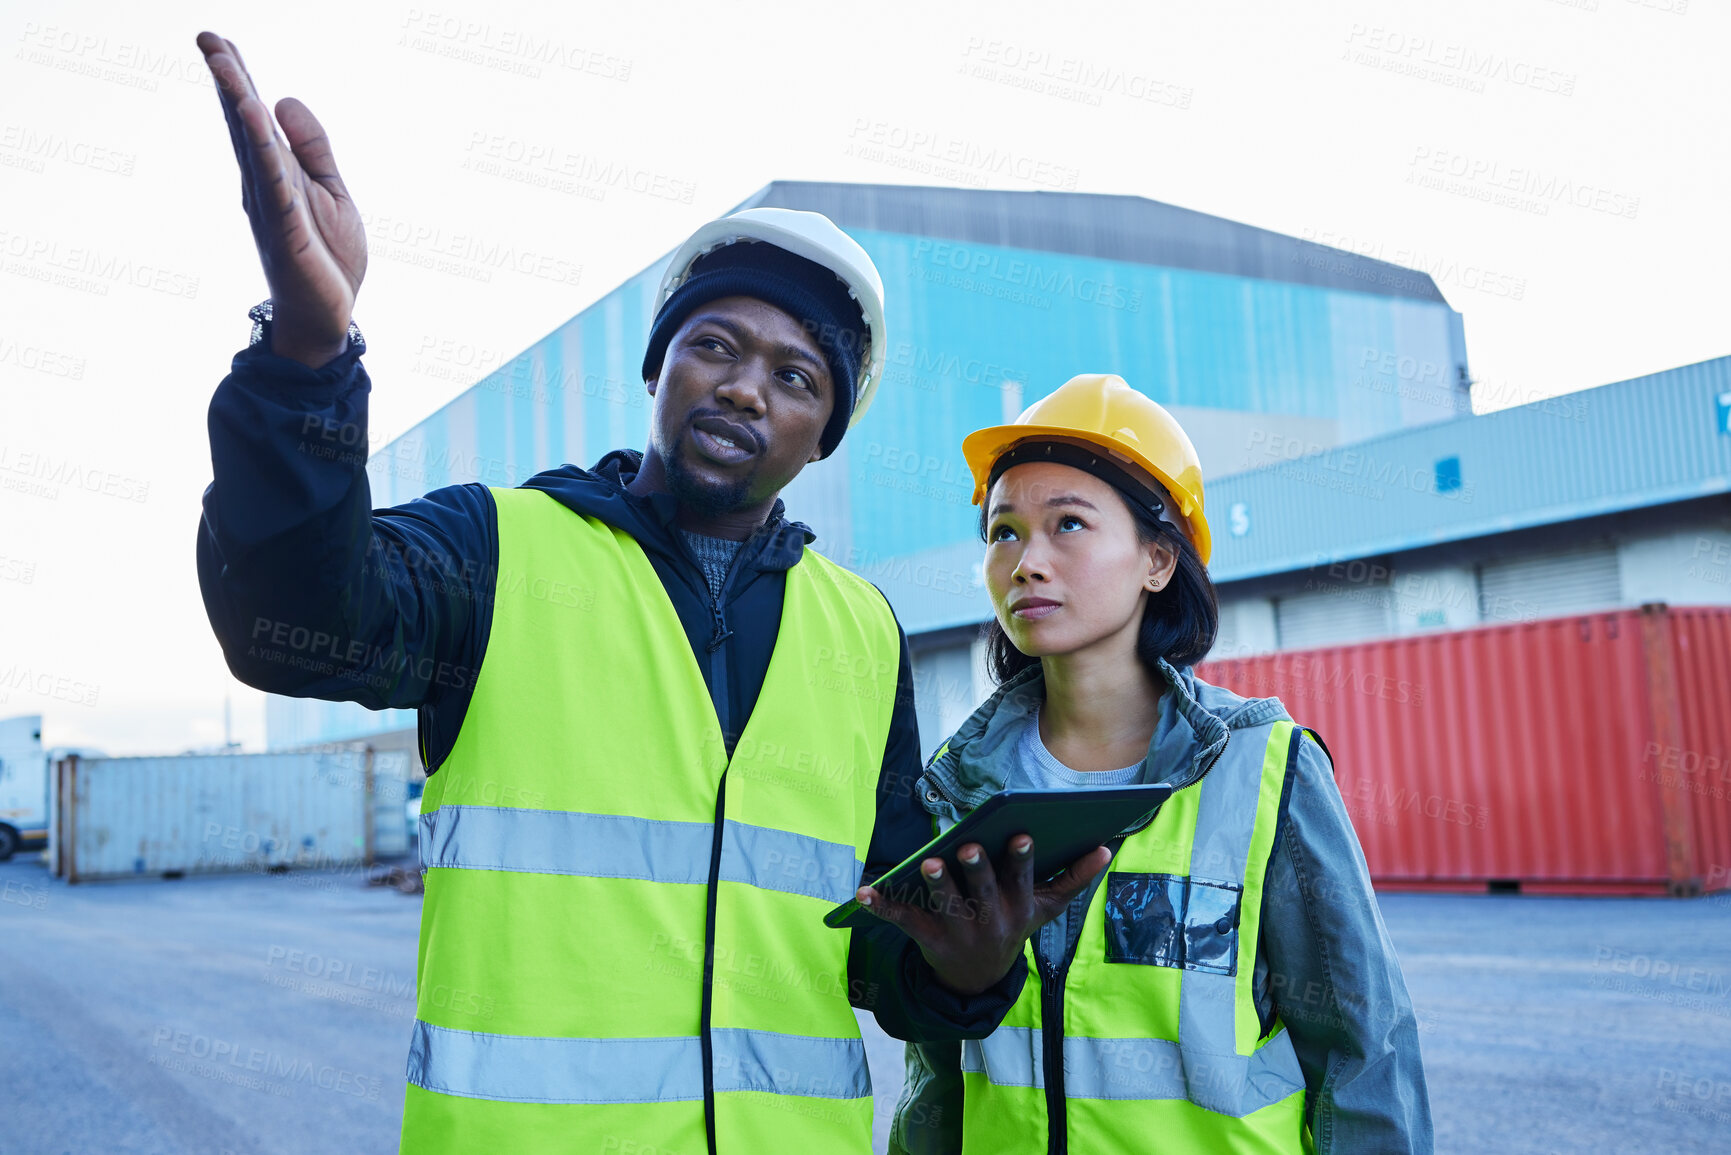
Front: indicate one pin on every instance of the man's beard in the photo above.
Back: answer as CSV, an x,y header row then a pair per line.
x,y
702,496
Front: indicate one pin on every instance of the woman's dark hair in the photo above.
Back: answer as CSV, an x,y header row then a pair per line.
x,y
1179,622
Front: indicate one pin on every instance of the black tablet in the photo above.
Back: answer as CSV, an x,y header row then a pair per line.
x,y
1065,825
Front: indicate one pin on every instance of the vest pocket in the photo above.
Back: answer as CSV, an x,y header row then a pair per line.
x,y
1169,920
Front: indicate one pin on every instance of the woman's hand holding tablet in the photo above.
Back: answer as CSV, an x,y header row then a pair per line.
x,y
971,915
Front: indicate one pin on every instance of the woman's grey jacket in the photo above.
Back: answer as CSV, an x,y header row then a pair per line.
x,y
1324,963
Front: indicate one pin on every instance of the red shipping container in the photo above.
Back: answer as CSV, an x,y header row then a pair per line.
x,y
1586,754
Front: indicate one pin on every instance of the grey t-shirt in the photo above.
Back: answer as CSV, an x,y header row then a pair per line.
x,y
1037,769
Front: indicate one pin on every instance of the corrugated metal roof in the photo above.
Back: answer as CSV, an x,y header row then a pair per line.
x,y
1640,442
1119,228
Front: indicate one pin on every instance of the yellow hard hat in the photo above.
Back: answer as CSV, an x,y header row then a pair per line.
x,y
1102,410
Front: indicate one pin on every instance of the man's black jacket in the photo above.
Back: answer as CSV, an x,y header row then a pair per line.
x,y
312,593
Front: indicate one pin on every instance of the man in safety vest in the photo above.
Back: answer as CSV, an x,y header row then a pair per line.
x,y
662,735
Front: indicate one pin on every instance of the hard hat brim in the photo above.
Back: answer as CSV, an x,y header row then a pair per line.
x,y
983,447
819,240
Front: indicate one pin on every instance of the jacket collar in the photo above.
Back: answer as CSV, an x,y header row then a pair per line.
x,y
1196,723
601,493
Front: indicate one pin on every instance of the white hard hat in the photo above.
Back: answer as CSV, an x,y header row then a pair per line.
x,y
816,238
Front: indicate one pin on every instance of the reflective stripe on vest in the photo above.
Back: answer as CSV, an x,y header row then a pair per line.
x,y
1160,1032
1122,1068
573,950
1217,1074
522,1069
618,846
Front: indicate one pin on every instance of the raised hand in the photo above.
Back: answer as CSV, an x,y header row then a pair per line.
x,y
971,929
308,231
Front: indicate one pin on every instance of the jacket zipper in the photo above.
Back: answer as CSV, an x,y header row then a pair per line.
x,y
707,1043
1199,776
719,691
1052,1052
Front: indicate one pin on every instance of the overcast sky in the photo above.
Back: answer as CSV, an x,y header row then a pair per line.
x,y
1559,166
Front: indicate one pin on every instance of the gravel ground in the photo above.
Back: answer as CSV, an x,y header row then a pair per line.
x,y
271,1014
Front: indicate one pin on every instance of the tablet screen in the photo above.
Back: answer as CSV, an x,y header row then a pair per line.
x,y
1065,825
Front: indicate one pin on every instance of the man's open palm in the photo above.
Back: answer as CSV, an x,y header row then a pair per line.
x,y
308,231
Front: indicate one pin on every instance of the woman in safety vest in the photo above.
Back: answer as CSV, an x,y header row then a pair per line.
x,y
1227,984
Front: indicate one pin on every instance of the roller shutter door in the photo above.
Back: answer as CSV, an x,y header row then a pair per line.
x,y
1549,585
945,692
1333,616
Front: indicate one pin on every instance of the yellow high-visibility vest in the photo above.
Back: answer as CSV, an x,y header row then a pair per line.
x,y
1151,1040
622,936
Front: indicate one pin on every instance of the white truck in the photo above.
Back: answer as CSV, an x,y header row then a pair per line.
x,y
23,785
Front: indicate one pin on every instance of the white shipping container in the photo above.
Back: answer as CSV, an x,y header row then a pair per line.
x,y
23,785
145,817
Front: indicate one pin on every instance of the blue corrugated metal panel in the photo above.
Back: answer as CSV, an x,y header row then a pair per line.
x,y
970,323
1634,443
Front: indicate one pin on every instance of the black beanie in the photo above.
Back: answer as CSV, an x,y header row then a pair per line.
x,y
802,288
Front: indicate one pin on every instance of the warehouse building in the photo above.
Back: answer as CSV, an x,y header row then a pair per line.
x,y
1599,499
1328,395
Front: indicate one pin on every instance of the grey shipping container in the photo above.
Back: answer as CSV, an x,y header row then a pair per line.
x,y
146,817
